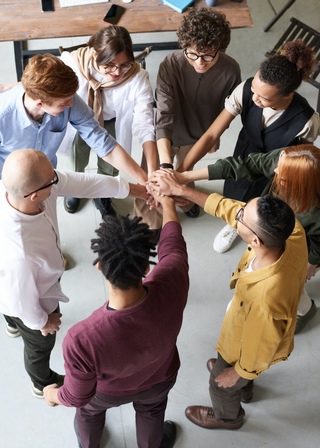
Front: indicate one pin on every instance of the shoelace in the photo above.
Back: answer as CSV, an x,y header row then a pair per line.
x,y
210,413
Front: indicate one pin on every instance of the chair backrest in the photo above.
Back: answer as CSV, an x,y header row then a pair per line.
x,y
140,57
311,38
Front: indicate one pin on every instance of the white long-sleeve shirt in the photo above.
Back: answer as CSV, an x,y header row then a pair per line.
x,y
131,103
31,261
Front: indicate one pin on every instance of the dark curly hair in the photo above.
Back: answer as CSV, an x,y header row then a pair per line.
x,y
124,247
204,29
286,69
276,221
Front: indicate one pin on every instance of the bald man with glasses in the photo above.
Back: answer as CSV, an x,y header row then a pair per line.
x,y
31,261
258,328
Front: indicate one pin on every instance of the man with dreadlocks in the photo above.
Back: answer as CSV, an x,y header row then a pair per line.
x,y
125,352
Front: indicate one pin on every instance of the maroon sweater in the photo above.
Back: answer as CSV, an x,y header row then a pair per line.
x,y
121,352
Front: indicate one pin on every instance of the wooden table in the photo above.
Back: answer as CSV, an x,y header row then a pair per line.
x,y
23,20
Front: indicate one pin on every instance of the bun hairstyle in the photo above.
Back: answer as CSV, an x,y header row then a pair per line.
x,y
287,69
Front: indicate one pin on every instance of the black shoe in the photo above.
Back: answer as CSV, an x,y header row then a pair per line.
x,y
193,212
104,206
303,320
71,205
169,434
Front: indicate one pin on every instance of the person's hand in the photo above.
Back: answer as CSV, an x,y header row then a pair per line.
x,y
180,177
227,378
164,182
158,199
52,325
49,393
180,202
153,202
139,191
311,271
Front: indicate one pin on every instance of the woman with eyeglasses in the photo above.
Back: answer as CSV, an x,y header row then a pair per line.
x,y
119,92
294,175
273,115
192,85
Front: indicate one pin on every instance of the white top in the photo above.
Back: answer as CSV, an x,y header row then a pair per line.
x,y
131,104
308,134
31,261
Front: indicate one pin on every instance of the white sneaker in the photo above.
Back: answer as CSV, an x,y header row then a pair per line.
x,y
223,241
36,392
12,332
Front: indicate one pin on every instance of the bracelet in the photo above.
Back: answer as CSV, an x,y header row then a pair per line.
x,y
166,165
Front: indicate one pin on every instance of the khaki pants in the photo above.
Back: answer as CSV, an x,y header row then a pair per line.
x,y
79,159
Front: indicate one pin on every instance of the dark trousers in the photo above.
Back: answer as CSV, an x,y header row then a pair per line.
x,y
150,406
226,401
37,351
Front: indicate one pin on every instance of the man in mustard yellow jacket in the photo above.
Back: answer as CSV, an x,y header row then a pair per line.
x,y
258,328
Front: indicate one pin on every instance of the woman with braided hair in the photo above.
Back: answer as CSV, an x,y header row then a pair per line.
x,y
273,115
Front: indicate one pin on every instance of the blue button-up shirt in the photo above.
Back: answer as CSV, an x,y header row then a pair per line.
x,y
19,131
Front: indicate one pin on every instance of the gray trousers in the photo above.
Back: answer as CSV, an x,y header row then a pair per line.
x,y
226,401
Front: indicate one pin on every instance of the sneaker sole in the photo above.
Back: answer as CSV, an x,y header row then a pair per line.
x,y
37,393
14,334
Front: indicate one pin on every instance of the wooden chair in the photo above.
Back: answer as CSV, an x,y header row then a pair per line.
x,y
311,38
140,57
278,14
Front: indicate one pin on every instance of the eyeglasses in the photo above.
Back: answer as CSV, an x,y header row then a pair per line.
x,y
239,217
111,68
205,57
53,182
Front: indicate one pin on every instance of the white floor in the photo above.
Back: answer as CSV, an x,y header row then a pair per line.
x,y
286,406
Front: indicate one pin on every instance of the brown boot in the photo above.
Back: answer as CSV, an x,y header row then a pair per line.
x,y
204,417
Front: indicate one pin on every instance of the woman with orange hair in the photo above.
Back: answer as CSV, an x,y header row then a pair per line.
x,y
294,176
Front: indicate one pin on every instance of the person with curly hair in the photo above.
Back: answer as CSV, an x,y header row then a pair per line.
x,y
192,85
273,115
126,352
